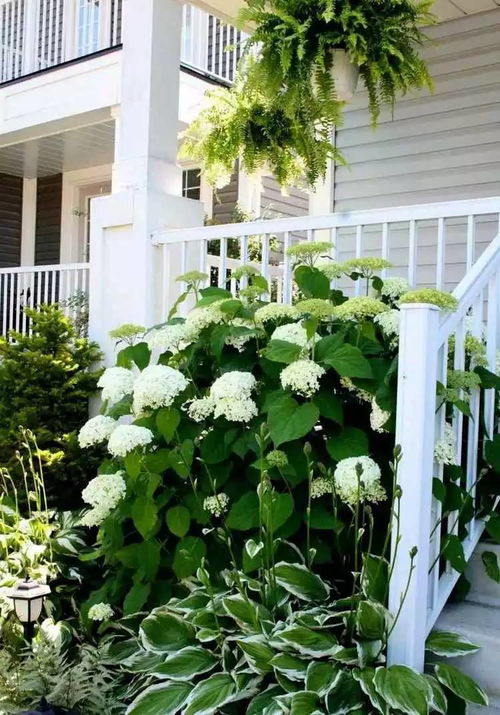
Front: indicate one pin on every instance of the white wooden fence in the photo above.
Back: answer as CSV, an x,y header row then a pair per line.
x,y
449,245
30,287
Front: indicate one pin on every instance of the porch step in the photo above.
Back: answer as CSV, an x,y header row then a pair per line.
x,y
483,590
481,625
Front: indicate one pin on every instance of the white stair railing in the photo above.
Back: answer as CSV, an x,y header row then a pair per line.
x,y
429,344
33,286
433,245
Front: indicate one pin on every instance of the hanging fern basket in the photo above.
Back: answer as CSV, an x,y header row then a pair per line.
x,y
345,75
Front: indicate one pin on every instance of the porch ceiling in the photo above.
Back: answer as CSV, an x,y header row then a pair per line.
x,y
444,9
56,153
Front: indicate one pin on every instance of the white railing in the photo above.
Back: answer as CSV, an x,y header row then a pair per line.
x,y
209,45
436,245
38,34
429,346
433,245
33,286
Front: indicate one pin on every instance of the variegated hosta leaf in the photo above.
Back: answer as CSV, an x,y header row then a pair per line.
x,y
292,667
449,645
301,582
308,642
185,664
166,633
165,698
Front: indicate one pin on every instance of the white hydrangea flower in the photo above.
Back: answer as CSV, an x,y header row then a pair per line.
x,y
363,395
169,338
101,612
217,505
366,487
96,431
445,450
394,288
103,493
235,410
274,312
293,333
199,410
158,386
233,384
302,377
116,383
390,323
126,438
201,318
378,417
320,487
239,341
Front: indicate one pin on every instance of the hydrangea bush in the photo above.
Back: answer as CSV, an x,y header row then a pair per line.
x,y
250,440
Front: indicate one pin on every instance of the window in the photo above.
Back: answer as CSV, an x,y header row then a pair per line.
x,y
191,184
88,26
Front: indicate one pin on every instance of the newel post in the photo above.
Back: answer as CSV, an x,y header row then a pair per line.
x,y
418,360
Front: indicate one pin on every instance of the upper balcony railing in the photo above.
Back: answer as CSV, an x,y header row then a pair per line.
x,y
38,34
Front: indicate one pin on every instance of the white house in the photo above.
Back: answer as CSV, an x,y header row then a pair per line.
x,y
93,95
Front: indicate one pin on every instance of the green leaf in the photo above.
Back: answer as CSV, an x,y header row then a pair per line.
x,y
258,654
133,464
216,446
211,694
312,282
244,514
437,700
144,515
351,442
165,632
136,598
349,361
449,645
493,527
178,520
263,704
490,561
305,703
165,698
288,420
489,381
320,677
308,642
460,684
345,695
374,577
329,405
186,664
403,688
189,553
140,354
282,351
453,551
294,668
212,294
167,421
365,678
218,339
242,610
301,582
371,620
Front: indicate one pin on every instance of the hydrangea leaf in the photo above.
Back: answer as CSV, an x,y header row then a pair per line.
x,y
189,554
289,421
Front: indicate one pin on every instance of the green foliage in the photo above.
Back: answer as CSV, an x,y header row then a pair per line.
x,y
65,675
283,107
46,379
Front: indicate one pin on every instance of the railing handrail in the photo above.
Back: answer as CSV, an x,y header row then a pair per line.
x,y
43,269
418,212
471,286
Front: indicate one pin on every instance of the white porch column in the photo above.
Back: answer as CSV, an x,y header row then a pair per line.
x,y
125,266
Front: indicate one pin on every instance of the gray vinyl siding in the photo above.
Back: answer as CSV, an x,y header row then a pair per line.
x,y
48,220
295,203
439,147
11,206
225,201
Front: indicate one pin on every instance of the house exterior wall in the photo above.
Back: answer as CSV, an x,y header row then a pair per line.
x,y
11,204
48,220
439,147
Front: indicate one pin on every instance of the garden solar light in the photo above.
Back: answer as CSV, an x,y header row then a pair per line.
x,y
28,597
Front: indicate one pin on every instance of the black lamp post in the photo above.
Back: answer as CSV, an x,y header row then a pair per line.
x,y
28,597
